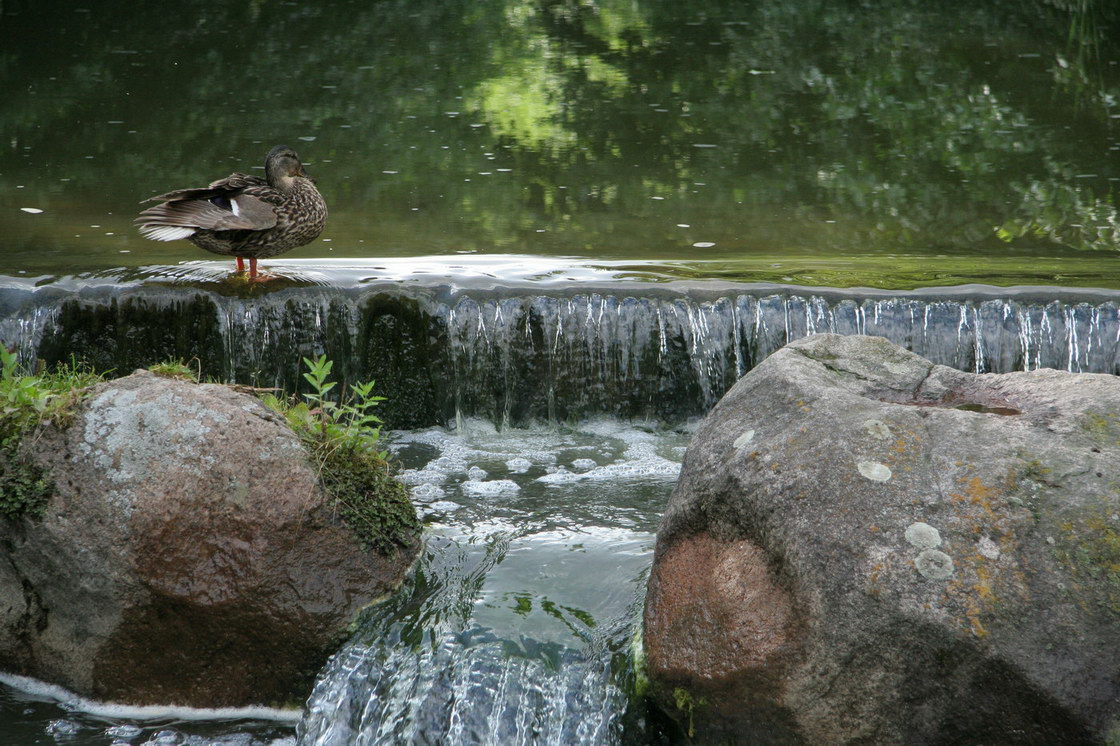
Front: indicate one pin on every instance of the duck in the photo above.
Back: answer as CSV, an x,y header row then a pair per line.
x,y
243,216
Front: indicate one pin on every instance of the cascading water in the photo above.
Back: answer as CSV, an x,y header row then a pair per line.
x,y
524,599
663,352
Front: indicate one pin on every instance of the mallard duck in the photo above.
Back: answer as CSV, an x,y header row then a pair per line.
x,y
243,216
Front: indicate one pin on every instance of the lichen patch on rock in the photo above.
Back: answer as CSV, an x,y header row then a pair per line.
x,y
874,471
934,564
877,429
923,536
744,439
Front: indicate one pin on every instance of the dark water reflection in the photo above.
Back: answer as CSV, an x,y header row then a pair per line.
x,y
845,143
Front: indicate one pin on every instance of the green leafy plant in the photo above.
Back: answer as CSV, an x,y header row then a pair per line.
x,y
26,401
342,435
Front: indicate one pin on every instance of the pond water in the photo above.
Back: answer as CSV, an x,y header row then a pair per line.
x,y
887,143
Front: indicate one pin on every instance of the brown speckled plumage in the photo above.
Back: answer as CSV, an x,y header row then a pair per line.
x,y
243,216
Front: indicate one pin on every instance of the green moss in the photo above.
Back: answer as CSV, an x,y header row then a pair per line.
x,y
638,658
1112,737
24,487
688,705
27,401
1103,426
361,486
342,435
1090,548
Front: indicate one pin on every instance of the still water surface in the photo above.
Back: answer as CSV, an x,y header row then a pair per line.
x,y
893,144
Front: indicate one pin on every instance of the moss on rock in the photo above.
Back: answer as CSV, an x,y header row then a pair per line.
x,y
24,487
368,497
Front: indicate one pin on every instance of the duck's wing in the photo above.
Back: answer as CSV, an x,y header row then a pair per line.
x,y
237,202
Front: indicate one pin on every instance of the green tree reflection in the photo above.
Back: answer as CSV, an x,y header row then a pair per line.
x,y
596,128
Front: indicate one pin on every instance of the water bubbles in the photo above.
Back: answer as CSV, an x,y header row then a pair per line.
x,y
518,465
704,244
476,474
125,731
63,729
31,210
429,475
492,488
427,491
165,738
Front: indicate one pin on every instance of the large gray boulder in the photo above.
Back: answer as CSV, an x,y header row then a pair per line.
x,y
864,547
186,557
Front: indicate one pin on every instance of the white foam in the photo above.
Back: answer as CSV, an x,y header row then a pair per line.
x,y
584,464
644,455
422,476
491,488
519,465
450,464
427,491
560,476
120,711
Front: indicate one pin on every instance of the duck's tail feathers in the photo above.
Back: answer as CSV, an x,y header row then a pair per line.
x,y
166,232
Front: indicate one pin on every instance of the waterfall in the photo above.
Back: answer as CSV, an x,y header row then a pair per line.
x,y
515,355
517,626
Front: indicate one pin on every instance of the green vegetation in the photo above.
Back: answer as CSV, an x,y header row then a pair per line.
x,y
688,705
27,401
176,369
342,437
641,686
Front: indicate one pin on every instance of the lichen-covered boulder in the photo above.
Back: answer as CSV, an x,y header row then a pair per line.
x,y
864,547
187,555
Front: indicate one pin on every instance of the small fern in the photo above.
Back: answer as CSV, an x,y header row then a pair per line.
x,y
343,438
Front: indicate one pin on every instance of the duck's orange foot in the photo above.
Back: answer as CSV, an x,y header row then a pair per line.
x,y
254,276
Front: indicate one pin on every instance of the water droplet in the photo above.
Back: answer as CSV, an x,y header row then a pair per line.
x,y
703,244
32,210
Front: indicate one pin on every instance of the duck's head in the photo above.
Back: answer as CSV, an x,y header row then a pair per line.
x,y
281,165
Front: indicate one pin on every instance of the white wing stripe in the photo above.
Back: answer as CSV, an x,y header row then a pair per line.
x,y
166,232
